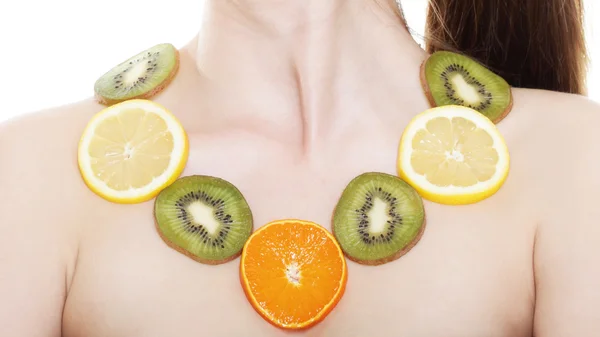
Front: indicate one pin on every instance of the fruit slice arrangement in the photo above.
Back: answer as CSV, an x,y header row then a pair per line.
x,y
141,76
130,151
205,218
293,273
453,155
378,218
453,79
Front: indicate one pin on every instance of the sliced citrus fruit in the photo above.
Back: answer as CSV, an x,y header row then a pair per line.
x,y
132,150
453,155
293,273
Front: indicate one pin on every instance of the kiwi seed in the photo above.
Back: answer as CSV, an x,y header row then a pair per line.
x,y
141,76
378,218
453,79
203,217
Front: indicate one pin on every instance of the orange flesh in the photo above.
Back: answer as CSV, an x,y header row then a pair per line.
x,y
293,273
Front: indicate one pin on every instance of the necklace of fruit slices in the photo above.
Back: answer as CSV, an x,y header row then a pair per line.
x,y
135,150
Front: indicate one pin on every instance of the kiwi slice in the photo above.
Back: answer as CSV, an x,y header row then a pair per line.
x,y
141,76
378,218
203,217
453,79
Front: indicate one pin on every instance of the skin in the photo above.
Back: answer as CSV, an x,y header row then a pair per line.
x,y
290,100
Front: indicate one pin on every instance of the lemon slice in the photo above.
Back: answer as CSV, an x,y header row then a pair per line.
x,y
130,151
453,155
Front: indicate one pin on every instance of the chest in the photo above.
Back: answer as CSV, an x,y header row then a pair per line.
x,y
469,275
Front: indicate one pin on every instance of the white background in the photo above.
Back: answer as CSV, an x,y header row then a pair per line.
x,y
52,51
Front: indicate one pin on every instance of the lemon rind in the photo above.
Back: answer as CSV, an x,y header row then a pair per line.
x,y
174,169
453,195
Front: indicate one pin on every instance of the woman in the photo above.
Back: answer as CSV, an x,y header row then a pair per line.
x,y
282,96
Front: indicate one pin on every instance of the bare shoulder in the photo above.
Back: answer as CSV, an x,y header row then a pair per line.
x,y
39,165
41,147
554,144
549,108
556,104
553,127
559,144
57,122
43,206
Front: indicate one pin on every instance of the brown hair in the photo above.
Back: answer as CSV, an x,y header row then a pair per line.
x,y
530,43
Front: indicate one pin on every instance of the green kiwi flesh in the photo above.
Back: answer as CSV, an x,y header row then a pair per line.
x,y
141,76
378,218
203,217
453,79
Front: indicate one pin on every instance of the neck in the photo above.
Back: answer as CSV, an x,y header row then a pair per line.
x,y
304,67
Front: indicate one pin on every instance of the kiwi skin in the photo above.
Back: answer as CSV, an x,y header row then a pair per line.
x,y
158,89
192,256
390,258
394,257
429,96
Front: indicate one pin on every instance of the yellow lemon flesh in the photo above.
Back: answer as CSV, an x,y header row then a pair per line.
x,y
130,151
453,155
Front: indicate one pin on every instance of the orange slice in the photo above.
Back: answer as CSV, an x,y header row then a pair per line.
x,y
293,273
